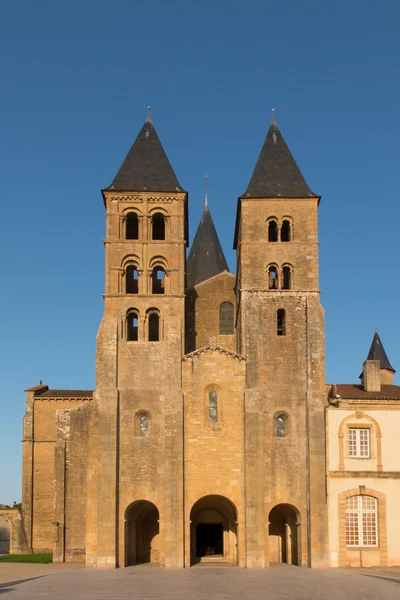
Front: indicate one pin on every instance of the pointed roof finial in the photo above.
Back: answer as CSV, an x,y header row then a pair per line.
x,y
148,115
377,352
206,185
273,117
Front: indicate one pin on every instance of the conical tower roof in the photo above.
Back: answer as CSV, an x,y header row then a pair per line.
x,y
276,174
377,352
206,257
146,166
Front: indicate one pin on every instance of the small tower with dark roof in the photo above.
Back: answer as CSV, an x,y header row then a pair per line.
x,y
377,367
280,331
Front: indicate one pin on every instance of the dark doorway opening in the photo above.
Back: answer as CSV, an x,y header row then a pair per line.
x,y
209,539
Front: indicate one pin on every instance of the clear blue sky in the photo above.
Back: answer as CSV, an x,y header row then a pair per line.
x,y
76,80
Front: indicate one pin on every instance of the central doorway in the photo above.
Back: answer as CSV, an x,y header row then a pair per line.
x,y
209,540
213,530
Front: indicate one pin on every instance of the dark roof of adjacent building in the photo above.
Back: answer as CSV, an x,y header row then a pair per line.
x,y
67,394
146,166
276,174
44,392
377,352
206,257
352,391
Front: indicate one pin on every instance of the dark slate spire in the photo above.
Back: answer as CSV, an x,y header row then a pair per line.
x,y
276,173
377,352
146,166
206,257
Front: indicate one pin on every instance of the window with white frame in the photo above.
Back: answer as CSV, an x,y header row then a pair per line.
x,y
361,521
359,444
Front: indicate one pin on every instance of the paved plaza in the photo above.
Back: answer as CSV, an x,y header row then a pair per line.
x,y
146,583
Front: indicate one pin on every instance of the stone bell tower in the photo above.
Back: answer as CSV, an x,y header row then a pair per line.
x,y
280,331
139,350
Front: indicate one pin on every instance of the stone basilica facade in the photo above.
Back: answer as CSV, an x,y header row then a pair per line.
x,y
212,435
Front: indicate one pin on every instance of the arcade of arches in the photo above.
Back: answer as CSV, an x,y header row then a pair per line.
x,y
213,533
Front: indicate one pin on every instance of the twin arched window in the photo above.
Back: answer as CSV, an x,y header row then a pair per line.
x,y
285,277
274,232
132,226
132,325
131,274
226,318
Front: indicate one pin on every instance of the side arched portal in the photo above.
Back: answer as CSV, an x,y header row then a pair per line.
x,y
213,530
5,535
284,535
141,533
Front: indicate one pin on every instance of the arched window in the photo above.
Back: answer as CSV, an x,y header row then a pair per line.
x,y
154,327
361,521
286,278
132,280
272,278
285,231
281,321
132,325
158,229
142,424
213,407
281,425
132,226
226,319
158,280
272,231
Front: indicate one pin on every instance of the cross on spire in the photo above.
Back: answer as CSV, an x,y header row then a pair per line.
x,y
273,117
206,185
148,115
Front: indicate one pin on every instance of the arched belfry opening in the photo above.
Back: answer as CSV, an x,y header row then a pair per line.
x,y
141,533
284,535
213,530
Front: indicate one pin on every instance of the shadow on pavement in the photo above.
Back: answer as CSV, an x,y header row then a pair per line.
x,y
382,577
6,586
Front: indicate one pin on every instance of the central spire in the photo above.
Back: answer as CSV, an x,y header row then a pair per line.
x,y
206,185
206,257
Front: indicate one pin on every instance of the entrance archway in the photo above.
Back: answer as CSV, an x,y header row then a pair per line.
x,y
5,536
284,535
213,530
141,533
